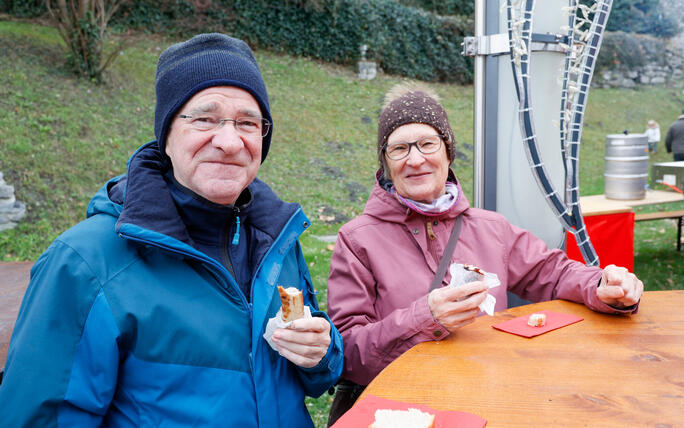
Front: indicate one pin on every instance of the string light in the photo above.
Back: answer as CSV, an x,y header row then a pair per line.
x,y
585,27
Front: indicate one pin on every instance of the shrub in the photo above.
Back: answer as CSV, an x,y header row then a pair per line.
x,y
154,16
443,7
402,40
643,17
23,8
629,51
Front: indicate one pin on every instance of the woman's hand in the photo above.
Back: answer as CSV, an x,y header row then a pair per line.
x,y
619,288
455,307
304,342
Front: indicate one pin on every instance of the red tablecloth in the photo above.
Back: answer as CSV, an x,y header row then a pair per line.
x,y
612,236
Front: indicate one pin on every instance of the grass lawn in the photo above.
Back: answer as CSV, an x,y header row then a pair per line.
x,y
62,138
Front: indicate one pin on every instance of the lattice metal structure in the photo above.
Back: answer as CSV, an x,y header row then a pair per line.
x,y
585,29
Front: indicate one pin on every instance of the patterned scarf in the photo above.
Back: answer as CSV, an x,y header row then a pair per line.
x,y
437,207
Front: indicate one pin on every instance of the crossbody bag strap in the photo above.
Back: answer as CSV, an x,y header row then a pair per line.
x,y
448,252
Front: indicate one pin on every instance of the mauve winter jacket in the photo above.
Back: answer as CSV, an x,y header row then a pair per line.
x,y
385,260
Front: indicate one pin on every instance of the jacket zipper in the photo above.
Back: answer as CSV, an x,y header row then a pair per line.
x,y
268,253
225,245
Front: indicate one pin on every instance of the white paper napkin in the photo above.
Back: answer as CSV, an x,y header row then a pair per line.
x,y
277,322
460,275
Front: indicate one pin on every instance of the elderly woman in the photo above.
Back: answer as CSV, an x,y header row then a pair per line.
x,y
384,261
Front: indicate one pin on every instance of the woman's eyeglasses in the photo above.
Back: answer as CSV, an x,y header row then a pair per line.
x,y
426,145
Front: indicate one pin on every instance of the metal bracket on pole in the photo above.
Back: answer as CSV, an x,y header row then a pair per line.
x,y
498,44
495,44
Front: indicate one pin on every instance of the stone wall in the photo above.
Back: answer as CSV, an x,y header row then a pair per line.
x,y
667,70
11,210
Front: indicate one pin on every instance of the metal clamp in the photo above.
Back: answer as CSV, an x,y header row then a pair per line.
x,y
495,44
498,44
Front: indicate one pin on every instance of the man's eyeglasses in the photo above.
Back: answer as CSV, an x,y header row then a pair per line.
x,y
426,145
246,125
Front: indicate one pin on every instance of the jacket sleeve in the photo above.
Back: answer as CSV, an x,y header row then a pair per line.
x,y
62,363
538,273
668,140
316,380
371,342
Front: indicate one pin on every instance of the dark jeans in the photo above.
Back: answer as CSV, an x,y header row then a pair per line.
x,y
679,157
345,396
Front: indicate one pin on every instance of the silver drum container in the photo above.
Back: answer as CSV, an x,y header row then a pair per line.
x,y
626,175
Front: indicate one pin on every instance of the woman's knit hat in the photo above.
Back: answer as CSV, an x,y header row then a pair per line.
x,y
411,103
204,61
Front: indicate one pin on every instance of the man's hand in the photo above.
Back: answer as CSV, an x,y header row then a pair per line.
x,y
455,307
619,288
304,342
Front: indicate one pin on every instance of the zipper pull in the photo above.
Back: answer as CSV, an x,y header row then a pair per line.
x,y
236,237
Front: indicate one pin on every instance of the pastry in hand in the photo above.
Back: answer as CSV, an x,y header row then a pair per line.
x,y
292,302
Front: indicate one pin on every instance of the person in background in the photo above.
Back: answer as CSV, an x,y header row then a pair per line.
x,y
653,134
151,312
674,140
384,261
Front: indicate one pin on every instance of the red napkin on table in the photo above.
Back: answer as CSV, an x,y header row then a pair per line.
x,y
554,320
363,414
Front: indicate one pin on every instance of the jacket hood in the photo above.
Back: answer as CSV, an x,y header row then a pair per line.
x,y
141,198
384,206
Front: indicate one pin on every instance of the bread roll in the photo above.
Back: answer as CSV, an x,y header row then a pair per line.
x,y
292,302
411,418
537,320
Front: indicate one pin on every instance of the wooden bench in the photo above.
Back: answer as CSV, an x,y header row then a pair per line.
x,y
679,215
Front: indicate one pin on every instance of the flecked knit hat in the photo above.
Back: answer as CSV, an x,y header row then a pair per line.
x,y
204,61
410,103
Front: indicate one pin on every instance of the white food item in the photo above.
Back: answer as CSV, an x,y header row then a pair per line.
x,y
292,303
411,418
537,320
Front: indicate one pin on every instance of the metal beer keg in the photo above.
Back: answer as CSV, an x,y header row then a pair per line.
x,y
626,175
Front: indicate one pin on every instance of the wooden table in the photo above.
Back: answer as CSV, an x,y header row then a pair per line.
x,y
605,371
14,277
600,205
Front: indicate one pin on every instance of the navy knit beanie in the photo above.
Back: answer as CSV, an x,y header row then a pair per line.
x,y
204,61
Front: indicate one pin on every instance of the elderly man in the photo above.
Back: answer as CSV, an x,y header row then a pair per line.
x,y
151,312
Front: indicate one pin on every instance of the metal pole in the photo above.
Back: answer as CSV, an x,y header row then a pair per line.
x,y
478,110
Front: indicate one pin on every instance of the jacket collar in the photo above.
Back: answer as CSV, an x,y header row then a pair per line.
x,y
142,198
383,205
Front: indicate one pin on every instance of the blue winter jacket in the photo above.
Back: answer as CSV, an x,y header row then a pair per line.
x,y
124,324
